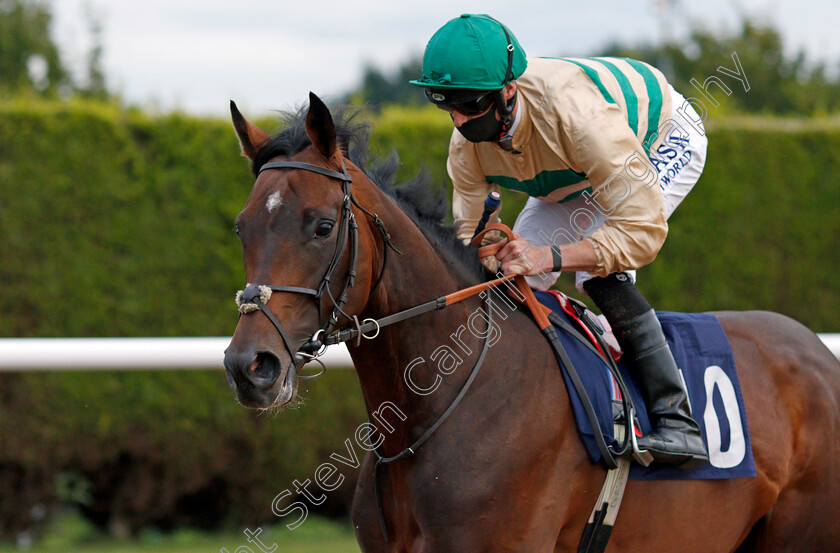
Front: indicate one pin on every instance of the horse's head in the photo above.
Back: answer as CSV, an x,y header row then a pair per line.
x,y
301,246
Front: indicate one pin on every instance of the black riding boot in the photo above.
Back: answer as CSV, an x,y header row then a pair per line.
x,y
675,438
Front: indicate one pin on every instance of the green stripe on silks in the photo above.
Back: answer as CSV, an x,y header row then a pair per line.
x,y
654,99
595,78
630,98
543,184
574,195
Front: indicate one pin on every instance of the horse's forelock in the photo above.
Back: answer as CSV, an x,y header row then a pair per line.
x,y
352,135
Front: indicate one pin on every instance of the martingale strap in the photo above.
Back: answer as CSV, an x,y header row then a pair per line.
x,y
418,443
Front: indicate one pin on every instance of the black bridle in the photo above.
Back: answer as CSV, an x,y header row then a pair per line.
x,y
255,296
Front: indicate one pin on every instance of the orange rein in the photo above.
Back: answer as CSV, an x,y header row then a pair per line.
x,y
523,294
538,310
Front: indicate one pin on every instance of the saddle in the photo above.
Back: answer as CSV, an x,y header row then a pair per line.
x,y
590,323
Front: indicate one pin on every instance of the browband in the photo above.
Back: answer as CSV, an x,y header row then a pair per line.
x,y
345,176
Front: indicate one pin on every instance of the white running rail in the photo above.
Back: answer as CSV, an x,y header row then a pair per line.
x,y
55,354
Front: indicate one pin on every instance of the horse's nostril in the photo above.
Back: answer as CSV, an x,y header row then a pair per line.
x,y
265,367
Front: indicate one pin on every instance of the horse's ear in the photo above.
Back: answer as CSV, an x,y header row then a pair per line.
x,y
320,128
251,137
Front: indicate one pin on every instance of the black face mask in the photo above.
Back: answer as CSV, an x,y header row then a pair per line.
x,y
484,128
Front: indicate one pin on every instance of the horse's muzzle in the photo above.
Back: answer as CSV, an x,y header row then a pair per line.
x,y
259,378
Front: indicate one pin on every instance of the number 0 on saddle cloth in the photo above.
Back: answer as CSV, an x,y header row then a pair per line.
x,y
705,358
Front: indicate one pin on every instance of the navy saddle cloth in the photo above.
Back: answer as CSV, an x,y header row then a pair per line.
x,y
704,355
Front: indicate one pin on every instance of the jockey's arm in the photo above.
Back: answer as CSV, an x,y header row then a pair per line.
x,y
470,189
519,257
625,189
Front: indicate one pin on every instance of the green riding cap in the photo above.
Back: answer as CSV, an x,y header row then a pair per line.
x,y
471,51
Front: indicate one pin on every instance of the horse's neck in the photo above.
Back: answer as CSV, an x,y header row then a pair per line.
x,y
418,276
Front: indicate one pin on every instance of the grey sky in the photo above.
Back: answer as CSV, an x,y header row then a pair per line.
x,y
195,55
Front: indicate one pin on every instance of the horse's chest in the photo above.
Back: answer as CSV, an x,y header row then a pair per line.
x,y
444,503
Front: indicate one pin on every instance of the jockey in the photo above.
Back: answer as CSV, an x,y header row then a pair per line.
x,y
606,149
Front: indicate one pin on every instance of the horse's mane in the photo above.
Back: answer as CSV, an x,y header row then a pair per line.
x,y
423,202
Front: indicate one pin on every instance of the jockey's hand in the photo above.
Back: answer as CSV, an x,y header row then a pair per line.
x,y
490,263
520,257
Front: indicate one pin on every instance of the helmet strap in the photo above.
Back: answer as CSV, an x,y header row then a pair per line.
x,y
506,109
510,48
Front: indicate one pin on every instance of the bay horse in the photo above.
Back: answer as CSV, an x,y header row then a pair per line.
x,y
506,471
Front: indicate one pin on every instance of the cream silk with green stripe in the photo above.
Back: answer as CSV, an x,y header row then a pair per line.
x,y
621,81
601,70
543,183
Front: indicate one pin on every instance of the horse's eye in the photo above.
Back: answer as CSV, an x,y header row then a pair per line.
x,y
324,229
236,229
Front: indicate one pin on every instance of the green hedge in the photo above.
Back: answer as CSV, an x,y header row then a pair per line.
x,y
114,223
759,231
162,448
